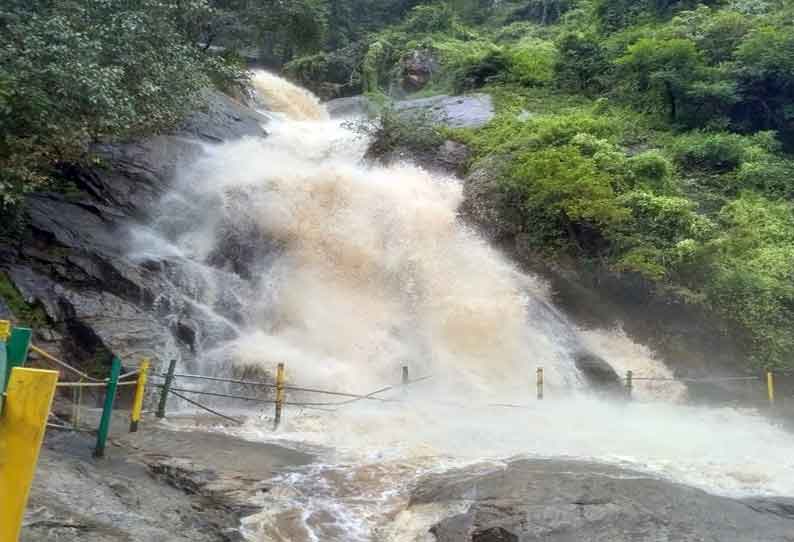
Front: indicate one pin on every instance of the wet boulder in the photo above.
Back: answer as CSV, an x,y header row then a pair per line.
x,y
598,372
562,501
470,111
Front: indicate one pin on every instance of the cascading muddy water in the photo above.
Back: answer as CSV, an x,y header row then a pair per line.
x,y
346,272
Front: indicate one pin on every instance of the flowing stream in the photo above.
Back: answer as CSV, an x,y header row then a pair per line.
x,y
290,249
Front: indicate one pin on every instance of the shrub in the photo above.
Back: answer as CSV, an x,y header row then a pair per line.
x,y
581,64
772,176
563,193
393,130
651,168
751,278
531,62
711,151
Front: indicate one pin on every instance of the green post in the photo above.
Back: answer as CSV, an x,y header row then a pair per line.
x,y
169,379
107,410
17,349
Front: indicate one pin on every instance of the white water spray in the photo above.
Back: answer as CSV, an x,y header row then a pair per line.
x,y
346,272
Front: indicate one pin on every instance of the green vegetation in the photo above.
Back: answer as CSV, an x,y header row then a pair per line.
x,y
74,72
25,313
651,137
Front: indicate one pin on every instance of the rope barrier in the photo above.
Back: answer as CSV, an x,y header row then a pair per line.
x,y
136,372
216,379
339,394
208,409
227,396
91,384
717,379
63,364
290,388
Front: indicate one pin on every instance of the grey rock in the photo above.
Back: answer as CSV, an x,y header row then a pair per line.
x,y
597,370
568,501
449,158
134,175
417,68
131,177
224,119
126,330
486,204
354,106
156,485
5,311
73,260
73,225
471,111
453,156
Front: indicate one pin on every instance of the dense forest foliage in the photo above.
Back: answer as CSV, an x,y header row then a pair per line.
x,y
649,137
73,72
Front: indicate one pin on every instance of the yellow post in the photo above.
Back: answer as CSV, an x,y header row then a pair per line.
x,y
280,378
5,330
770,387
22,426
540,383
137,404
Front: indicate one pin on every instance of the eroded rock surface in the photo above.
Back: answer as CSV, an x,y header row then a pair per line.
x,y
569,501
470,111
157,485
72,260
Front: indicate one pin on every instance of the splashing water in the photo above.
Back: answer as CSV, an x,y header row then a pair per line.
x,y
280,96
345,272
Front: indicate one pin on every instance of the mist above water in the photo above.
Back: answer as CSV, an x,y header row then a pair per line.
x,y
296,251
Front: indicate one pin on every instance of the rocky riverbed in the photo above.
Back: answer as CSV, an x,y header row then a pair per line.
x,y
157,485
166,484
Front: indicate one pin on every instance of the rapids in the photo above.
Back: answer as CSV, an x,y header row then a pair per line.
x,y
299,252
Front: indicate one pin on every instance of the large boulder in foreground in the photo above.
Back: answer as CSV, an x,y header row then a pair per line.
x,y
566,501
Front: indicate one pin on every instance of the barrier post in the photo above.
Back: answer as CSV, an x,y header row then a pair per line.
x,y
540,383
279,395
770,387
17,348
137,404
405,375
169,379
22,428
629,383
107,410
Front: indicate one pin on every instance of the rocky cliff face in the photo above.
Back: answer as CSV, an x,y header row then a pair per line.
x,y
68,270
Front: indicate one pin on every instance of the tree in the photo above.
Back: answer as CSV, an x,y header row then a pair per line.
x,y
751,274
765,65
75,72
671,75
581,63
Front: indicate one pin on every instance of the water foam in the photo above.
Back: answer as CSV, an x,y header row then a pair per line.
x,y
369,268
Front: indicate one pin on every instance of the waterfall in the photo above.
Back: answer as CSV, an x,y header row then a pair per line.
x,y
292,249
